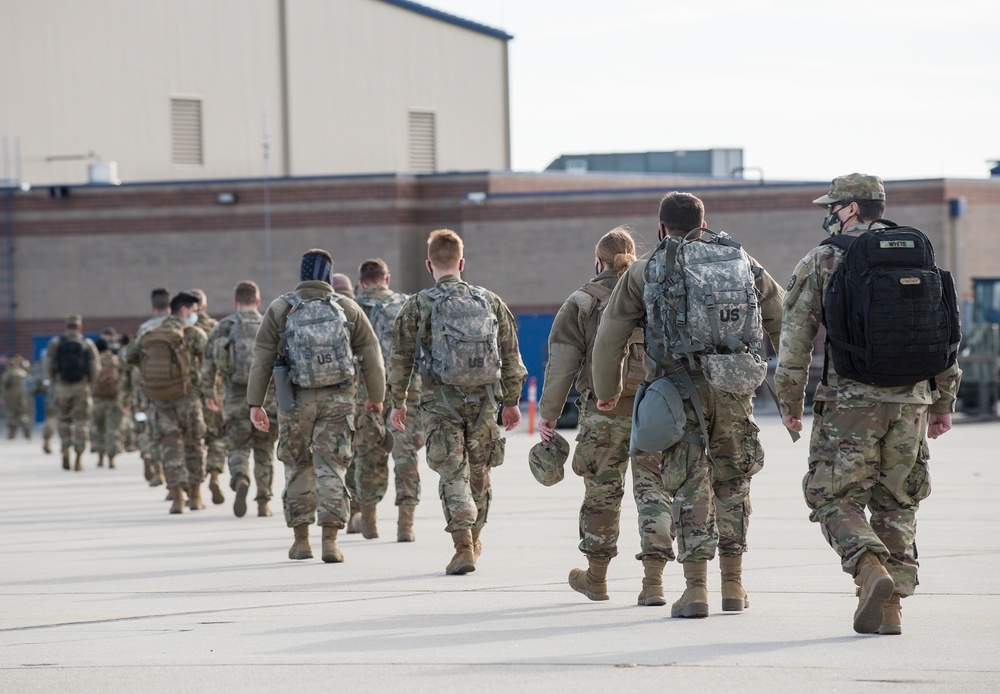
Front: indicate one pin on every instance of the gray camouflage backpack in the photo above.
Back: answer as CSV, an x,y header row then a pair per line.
x,y
382,314
701,306
238,349
464,349
317,338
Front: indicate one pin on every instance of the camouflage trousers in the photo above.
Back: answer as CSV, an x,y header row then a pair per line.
x,y
215,441
18,415
869,457
106,426
147,435
315,443
602,459
74,404
371,462
180,428
462,451
51,416
242,439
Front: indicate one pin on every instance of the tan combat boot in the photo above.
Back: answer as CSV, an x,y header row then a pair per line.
x,y
157,475
592,582
100,460
652,582
694,601
875,587
111,462
734,598
369,530
354,523
78,465
65,459
213,486
177,496
301,549
240,505
464,560
147,469
46,446
892,617
477,546
263,510
331,552
404,525
195,503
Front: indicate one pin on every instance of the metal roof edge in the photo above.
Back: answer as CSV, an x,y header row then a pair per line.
x,y
450,19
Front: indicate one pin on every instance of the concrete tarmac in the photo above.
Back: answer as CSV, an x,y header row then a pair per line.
x,y
102,591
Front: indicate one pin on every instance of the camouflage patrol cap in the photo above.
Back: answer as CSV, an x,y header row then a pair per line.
x,y
74,320
388,442
547,459
854,186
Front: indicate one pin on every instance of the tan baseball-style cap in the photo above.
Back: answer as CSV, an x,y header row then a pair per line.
x,y
74,320
854,186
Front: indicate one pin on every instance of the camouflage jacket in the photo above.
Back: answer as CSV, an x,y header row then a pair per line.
x,y
571,344
269,344
416,312
195,339
211,375
153,322
803,317
13,381
627,309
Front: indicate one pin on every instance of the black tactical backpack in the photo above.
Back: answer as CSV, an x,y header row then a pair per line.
x,y
72,360
891,314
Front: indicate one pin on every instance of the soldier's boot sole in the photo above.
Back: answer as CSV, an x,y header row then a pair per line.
x,y
240,505
217,497
868,616
581,583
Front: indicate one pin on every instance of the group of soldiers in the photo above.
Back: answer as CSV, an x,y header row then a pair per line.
x,y
340,379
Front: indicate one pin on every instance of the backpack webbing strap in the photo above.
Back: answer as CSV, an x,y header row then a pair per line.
x,y
671,260
685,380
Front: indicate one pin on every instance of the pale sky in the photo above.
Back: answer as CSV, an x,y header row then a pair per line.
x,y
905,89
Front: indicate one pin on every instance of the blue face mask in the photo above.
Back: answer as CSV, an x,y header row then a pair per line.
x,y
192,319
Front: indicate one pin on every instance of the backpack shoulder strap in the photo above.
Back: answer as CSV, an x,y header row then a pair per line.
x,y
598,291
841,241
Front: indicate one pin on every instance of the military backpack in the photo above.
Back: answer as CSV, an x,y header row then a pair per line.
x,y
109,379
72,360
702,309
463,343
165,363
234,354
382,315
891,314
633,367
317,338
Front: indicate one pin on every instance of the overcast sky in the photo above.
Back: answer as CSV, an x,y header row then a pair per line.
x,y
900,88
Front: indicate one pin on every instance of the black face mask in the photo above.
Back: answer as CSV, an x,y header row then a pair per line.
x,y
597,268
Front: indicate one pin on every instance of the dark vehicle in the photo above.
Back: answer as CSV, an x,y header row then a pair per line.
x,y
979,353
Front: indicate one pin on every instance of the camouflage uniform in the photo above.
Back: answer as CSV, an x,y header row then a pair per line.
x,y
241,436
315,442
711,504
371,462
868,446
215,441
73,400
179,423
460,425
147,432
16,401
602,444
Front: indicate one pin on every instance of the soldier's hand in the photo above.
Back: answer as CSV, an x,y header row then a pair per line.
x,y
938,424
373,406
792,422
397,417
212,404
546,428
510,417
607,405
259,419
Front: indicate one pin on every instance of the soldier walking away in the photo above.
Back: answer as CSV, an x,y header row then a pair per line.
x,y
464,338
313,341
106,429
228,357
215,442
705,305
17,402
71,362
167,357
868,447
602,445
142,409
372,441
